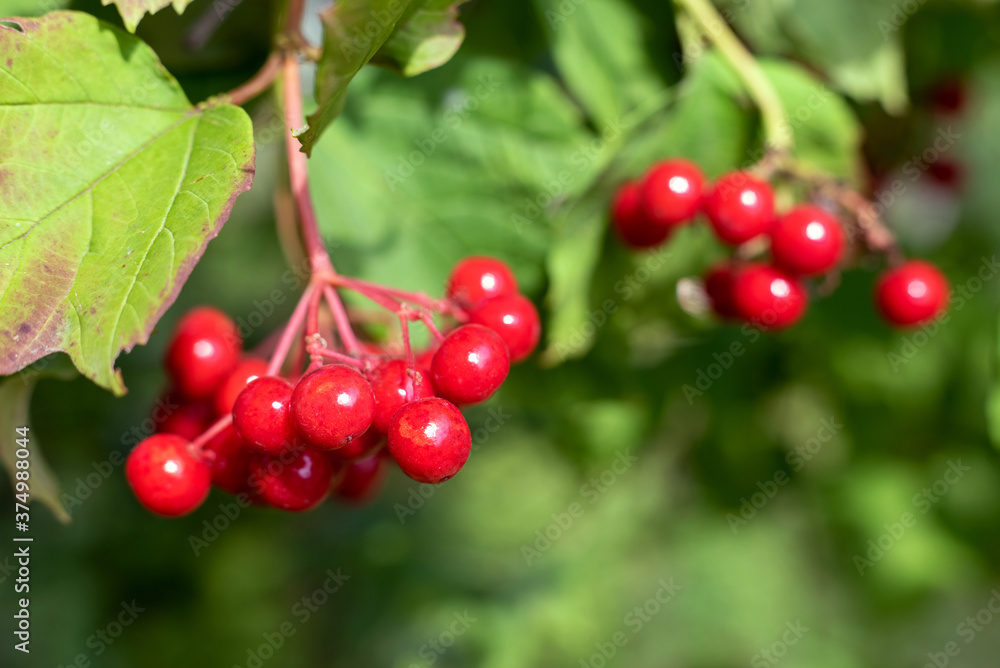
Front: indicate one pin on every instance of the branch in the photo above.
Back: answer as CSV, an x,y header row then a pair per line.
x,y
776,133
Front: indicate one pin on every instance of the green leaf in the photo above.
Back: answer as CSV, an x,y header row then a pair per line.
x,y
426,39
867,65
827,133
15,396
598,47
112,185
411,188
993,416
132,11
28,8
353,32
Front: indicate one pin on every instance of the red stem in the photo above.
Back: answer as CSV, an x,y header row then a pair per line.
x,y
418,298
291,329
347,336
404,324
334,355
220,425
312,315
256,84
428,321
298,170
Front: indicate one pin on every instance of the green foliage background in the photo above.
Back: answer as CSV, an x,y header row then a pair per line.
x,y
546,108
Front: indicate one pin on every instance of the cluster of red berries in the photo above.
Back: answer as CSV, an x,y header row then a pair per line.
x,y
805,241
288,442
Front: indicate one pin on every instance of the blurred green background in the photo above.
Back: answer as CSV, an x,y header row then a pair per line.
x,y
552,546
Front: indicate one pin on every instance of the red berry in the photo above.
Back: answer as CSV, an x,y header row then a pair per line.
x,y
671,193
295,480
389,382
245,371
470,365
262,417
477,278
430,440
332,406
767,297
912,293
807,241
949,96
362,480
739,207
630,221
361,447
949,174
719,287
185,419
231,465
167,475
515,319
204,350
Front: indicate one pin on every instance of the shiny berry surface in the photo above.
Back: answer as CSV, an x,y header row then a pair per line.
x,y
768,297
719,288
230,461
295,480
807,241
245,371
630,221
671,193
739,207
430,440
477,278
470,365
332,406
912,294
167,475
204,351
515,319
261,414
390,384
362,480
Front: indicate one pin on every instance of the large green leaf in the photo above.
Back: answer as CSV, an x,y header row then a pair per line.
x,y
409,187
426,38
30,7
826,132
15,395
112,185
856,42
600,49
132,11
353,32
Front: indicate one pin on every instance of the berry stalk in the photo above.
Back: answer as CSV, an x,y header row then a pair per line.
x,y
777,136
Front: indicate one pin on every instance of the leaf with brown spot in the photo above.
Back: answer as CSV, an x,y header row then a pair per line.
x,y
105,163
